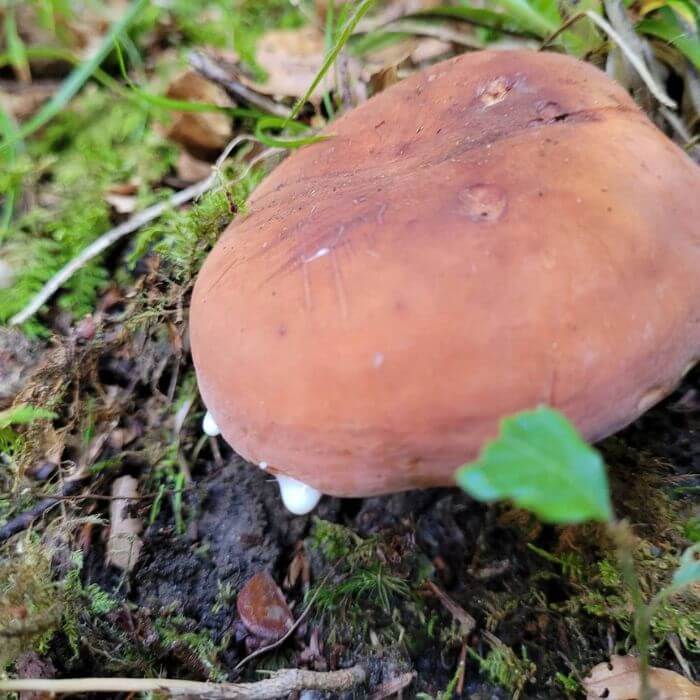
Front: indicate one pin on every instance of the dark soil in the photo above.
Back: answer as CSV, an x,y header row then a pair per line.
x,y
238,526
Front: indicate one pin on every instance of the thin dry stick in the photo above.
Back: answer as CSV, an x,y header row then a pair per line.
x,y
279,684
554,35
133,224
289,632
634,59
211,70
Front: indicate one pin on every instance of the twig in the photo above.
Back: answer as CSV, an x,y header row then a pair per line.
x,y
554,35
280,684
211,70
634,59
131,225
394,686
457,611
461,667
674,643
27,517
289,632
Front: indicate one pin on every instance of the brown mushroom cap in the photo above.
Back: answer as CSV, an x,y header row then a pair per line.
x,y
502,230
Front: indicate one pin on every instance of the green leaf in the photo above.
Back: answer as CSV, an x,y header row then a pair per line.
x,y
665,25
689,570
542,17
541,463
23,414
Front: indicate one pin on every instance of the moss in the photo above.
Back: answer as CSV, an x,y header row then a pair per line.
x,y
504,667
100,141
30,611
178,635
568,684
182,239
370,587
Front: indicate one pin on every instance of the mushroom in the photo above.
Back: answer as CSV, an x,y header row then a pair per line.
x,y
502,230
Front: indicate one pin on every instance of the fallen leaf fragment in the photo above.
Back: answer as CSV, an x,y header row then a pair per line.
x,y
199,130
430,49
124,544
21,101
291,58
619,680
191,169
263,608
121,203
383,79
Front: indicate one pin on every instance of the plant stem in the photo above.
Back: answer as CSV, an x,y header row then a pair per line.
x,y
624,545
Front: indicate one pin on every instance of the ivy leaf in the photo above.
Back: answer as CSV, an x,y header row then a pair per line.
x,y
689,570
540,462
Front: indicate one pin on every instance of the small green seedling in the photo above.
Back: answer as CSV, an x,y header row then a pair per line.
x,y
541,463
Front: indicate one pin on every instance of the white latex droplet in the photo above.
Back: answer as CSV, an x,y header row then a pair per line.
x,y
209,425
298,498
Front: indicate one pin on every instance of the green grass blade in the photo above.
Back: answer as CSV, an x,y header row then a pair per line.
x,y
10,132
530,18
328,44
80,75
342,39
266,123
15,46
479,17
171,104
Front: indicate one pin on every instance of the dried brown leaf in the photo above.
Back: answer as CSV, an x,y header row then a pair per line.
x,y
383,79
22,100
206,131
191,169
291,59
122,203
619,680
263,608
430,49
